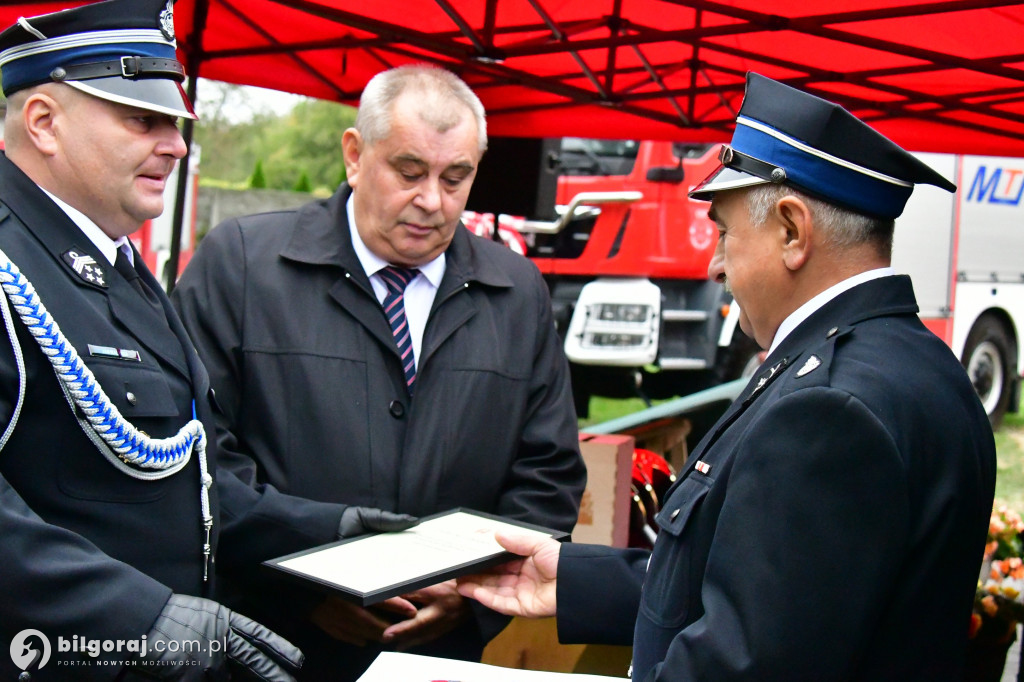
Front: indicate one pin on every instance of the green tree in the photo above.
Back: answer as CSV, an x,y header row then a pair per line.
x,y
303,184
227,131
308,139
258,180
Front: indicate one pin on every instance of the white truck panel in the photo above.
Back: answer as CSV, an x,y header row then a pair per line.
x,y
990,259
991,220
965,251
974,298
924,238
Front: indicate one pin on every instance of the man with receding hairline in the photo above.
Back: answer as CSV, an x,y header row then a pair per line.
x,y
831,523
369,348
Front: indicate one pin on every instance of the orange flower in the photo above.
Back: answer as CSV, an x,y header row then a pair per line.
x,y
989,604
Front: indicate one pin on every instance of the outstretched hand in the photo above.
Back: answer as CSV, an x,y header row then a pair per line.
x,y
523,587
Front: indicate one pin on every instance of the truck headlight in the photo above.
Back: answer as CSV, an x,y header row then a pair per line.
x,y
622,312
616,322
616,340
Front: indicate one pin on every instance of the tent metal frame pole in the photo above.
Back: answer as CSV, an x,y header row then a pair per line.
x,y
187,131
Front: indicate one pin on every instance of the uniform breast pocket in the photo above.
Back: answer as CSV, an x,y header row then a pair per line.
x,y
143,397
135,389
671,588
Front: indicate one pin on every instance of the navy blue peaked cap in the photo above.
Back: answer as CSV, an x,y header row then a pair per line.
x,y
786,136
119,50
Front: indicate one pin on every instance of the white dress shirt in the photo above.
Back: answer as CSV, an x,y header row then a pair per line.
x,y
808,309
107,246
419,294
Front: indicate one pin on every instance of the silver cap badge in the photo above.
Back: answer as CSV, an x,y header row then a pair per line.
x,y
167,21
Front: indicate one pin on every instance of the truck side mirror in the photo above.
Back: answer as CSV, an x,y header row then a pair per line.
x,y
673,174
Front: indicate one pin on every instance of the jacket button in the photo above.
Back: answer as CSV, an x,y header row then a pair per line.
x,y
397,409
130,397
675,513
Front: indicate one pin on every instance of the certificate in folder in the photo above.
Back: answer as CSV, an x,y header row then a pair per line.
x,y
371,568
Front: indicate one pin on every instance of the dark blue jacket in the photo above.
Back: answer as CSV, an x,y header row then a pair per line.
x,y
836,532
88,550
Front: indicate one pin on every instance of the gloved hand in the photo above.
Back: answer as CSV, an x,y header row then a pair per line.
x,y
360,520
198,639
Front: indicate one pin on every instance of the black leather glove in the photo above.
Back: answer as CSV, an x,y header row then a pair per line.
x,y
198,639
361,520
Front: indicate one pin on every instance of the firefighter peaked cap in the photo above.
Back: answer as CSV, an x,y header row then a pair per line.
x,y
119,50
786,136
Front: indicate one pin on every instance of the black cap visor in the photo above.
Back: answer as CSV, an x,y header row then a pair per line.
x,y
162,95
724,178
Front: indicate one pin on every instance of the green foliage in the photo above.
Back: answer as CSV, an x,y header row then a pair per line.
x,y
309,139
223,184
1010,461
303,184
258,180
306,140
605,409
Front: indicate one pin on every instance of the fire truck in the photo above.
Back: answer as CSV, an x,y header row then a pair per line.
x,y
625,252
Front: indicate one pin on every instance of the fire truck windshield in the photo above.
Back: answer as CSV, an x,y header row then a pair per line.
x,y
581,156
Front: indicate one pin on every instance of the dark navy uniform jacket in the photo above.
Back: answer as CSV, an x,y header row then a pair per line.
x,y
835,528
89,551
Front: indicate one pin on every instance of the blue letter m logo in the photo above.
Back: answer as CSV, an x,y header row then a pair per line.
x,y
988,189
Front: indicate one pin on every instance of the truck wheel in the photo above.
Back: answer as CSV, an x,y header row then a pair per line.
x,y
987,355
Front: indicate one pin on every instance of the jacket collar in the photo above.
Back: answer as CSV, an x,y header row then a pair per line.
x,y
44,219
891,295
882,297
321,237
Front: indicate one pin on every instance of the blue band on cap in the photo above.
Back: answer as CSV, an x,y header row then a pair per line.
x,y
34,69
821,177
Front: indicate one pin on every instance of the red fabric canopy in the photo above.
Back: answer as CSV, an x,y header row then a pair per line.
x,y
933,76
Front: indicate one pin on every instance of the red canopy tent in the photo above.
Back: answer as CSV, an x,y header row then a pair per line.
x,y
933,76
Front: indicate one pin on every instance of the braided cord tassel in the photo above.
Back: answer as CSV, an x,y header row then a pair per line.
x,y
156,457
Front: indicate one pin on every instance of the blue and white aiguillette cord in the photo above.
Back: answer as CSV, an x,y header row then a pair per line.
x,y
123,445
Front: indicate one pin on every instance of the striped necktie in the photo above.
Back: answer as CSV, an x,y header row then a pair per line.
x,y
397,279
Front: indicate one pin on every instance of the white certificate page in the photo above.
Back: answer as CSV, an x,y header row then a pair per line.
x,y
380,561
395,667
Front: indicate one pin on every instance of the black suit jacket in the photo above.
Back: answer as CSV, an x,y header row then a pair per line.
x,y
836,526
88,550
283,314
